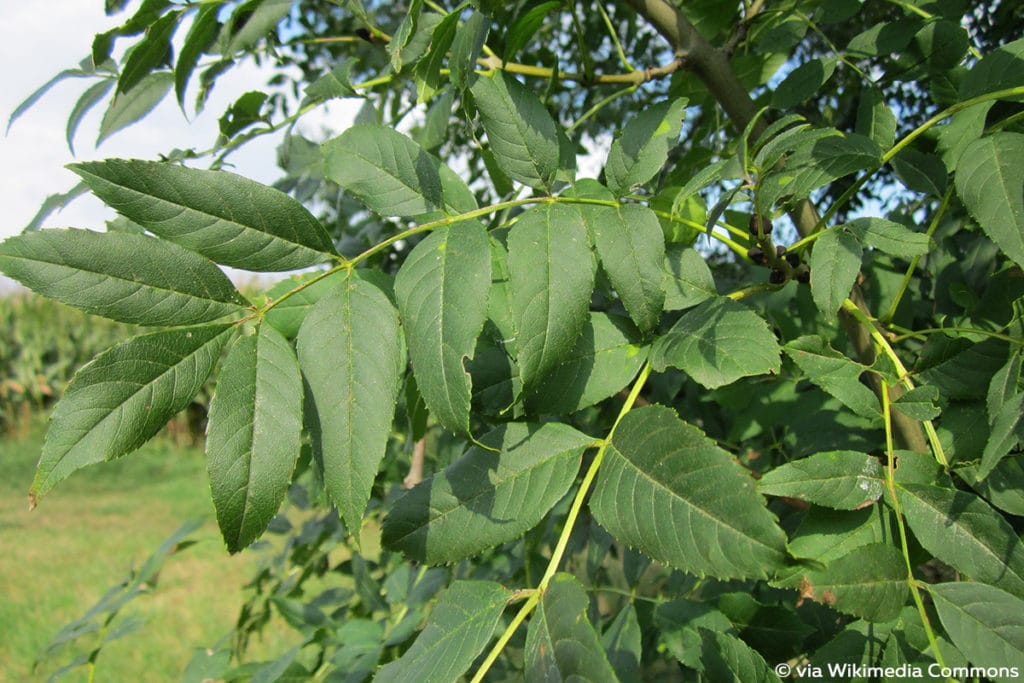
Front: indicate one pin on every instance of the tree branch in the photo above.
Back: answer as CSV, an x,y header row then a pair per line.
x,y
712,66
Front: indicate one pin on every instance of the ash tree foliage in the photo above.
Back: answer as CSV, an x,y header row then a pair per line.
x,y
632,339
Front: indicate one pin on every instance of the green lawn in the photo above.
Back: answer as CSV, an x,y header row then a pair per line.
x,y
83,538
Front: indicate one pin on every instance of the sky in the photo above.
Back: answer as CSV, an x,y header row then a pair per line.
x,y
39,39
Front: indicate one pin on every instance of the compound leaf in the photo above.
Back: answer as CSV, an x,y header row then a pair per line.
x,y
668,490
225,217
253,440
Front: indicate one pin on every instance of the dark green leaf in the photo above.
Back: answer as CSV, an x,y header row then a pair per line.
x,y
834,264
227,218
526,26
561,644
890,237
122,276
288,315
622,643
200,37
718,342
605,359
990,180
466,47
835,373
1007,431
486,498
129,107
405,32
442,294
243,112
727,658
632,250
252,443
351,354
803,82
247,27
964,532
987,624
392,174
149,53
826,535
125,396
459,628
1004,486
875,120
920,403
844,480
522,135
552,278
668,490
639,153
688,280
428,70
921,172
335,83
679,623
1000,69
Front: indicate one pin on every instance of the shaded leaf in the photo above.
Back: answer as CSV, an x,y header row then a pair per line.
x,y
803,82
622,643
335,83
552,278
126,277
466,48
442,294
149,53
485,497
688,280
89,99
253,440
987,624
125,396
523,137
668,490
718,342
724,657
642,149
990,180
200,37
561,643
919,403
350,351
835,262
964,532
223,216
844,480
459,628
835,373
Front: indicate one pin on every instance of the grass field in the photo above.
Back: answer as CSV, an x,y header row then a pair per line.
x,y
82,539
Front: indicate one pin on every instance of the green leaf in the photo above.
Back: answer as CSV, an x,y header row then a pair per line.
x,y
638,154
253,440
718,342
688,279
459,628
393,175
522,134
129,107
89,99
561,644
200,37
225,217
669,491
125,396
875,120
919,403
442,294
803,82
990,181
1003,487
1004,386
248,25
122,276
631,245
526,26
54,202
890,237
964,532
1007,431
246,111
921,172
844,480
428,69
604,361
335,83
486,498
622,643
724,657
679,623
552,278
835,373
834,264
149,53
987,624
466,47
825,535
288,315
31,100
405,32
350,351
1000,69
868,582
